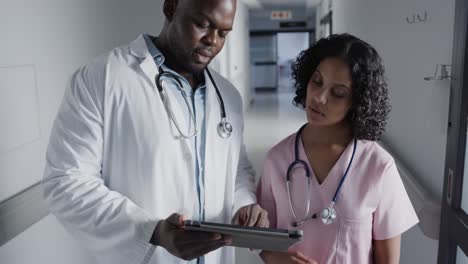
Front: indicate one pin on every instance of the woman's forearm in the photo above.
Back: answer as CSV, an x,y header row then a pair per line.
x,y
387,251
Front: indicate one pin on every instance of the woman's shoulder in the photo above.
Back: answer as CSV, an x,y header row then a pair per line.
x,y
373,153
282,148
374,165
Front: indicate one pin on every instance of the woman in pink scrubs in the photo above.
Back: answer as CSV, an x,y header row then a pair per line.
x,y
340,83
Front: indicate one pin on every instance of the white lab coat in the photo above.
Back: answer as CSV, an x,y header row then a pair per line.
x,y
116,165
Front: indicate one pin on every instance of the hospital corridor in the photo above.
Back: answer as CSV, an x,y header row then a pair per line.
x,y
234,131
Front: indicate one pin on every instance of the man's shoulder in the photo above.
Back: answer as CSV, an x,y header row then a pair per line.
x,y
95,73
119,53
116,58
225,86
221,79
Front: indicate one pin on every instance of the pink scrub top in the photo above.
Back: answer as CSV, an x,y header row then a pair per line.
x,y
371,205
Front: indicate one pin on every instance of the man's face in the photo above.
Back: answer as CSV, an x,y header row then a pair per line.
x,y
197,31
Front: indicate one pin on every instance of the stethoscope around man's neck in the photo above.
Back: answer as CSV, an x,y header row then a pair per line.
x,y
224,127
328,215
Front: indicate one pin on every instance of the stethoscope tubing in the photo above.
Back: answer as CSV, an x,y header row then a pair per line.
x,y
297,161
224,127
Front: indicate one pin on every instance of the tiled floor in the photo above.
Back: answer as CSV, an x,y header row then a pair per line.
x,y
271,118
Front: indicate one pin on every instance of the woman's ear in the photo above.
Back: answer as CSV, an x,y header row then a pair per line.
x,y
169,8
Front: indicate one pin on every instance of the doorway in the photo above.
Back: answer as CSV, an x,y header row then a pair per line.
x,y
289,46
272,54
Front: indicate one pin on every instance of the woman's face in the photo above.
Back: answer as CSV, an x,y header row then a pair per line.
x,y
329,93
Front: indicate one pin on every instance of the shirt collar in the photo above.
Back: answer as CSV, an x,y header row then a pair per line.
x,y
159,59
154,51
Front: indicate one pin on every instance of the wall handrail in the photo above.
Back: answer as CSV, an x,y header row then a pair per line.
x,y
20,212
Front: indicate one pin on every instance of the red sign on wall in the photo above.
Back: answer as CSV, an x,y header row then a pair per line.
x,y
280,15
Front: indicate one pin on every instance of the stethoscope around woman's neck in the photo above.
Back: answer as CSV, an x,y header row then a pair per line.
x,y
328,215
224,127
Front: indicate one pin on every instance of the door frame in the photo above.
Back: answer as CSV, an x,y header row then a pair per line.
x,y
454,221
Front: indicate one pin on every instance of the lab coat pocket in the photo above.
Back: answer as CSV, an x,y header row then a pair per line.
x,y
354,240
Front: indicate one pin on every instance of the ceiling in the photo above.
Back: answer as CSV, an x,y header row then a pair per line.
x,y
283,2
260,3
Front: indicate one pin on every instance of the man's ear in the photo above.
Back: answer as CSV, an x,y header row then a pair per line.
x,y
169,8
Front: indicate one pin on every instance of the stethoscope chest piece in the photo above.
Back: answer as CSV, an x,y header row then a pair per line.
x,y
224,128
328,215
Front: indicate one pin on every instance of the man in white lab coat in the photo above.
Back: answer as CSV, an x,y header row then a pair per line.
x,y
131,156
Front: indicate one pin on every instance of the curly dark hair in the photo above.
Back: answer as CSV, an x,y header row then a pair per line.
x,y
370,101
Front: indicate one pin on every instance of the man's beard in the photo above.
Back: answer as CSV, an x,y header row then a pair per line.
x,y
196,71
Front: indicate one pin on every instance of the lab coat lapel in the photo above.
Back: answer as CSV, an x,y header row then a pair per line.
x,y
215,153
147,65
139,49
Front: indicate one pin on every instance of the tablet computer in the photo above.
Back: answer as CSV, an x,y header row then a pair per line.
x,y
250,237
